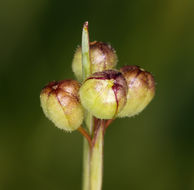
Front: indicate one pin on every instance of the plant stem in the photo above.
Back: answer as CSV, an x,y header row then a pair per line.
x,y
85,134
86,166
86,71
87,154
96,162
92,155
86,65
93,159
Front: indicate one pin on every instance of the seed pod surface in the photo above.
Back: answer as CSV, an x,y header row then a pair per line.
x,y
104,94
141,90
102,56
60,103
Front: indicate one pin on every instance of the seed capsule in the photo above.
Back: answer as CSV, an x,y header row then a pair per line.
x,y
60,103
102,56
104,94
141,90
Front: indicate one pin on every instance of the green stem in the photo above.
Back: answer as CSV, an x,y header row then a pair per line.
x,y
93,160
93,156
86,71
86,166
87,154
96,162
86,65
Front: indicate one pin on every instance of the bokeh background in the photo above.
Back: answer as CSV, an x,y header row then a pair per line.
x,y
153,151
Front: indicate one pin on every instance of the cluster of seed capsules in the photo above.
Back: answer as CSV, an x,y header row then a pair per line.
x,y
107,94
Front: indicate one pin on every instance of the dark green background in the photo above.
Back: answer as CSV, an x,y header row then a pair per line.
x,y
153,151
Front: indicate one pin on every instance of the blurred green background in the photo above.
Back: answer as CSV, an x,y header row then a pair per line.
x,y
153,151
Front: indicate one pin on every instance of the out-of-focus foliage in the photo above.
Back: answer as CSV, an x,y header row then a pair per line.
x,y
154,150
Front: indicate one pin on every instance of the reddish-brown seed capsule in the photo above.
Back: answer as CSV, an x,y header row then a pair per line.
x,y
60,103
104,94
141,90
102,56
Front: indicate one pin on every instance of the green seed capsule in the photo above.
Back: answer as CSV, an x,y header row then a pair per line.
x,y
104,94
141,90
60,103
102,56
